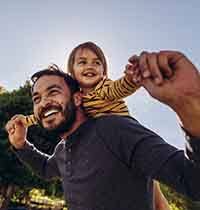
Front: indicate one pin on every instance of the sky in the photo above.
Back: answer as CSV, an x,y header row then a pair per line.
x,y
36,33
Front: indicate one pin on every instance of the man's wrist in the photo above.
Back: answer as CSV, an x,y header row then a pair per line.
x,y
188,111
21,146
192,146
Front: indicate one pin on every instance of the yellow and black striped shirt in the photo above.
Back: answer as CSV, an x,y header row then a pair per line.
x,y
107,97
29,120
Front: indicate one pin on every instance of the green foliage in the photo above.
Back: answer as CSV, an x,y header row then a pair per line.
x,y
12,171
11,104
178,201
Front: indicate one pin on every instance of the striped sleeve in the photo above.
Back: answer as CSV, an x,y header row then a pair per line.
x,y
114,90
30,120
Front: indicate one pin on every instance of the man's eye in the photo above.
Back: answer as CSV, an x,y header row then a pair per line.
x,y
53,92
36,100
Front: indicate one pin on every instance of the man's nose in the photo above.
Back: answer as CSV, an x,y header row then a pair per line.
x,y
45,101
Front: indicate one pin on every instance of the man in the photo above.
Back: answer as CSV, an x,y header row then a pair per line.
x,y
109,162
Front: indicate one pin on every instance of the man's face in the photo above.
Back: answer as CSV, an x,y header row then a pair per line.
x,y
53,104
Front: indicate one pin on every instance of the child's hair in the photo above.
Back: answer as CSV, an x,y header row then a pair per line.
x,y
94,48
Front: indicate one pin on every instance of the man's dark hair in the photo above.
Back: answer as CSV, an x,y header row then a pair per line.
x,y
54,70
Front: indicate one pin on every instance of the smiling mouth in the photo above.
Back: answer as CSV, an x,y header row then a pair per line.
x,y
50,112
89,74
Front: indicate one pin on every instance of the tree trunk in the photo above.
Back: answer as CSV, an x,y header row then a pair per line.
x,y
8,195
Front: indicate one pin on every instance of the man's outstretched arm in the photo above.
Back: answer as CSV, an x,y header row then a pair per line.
x,y
171,78
42,164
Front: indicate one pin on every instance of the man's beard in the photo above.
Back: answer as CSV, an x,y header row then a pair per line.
x,y
70,116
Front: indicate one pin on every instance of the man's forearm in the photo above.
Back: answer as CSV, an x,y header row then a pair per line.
x,y
40,163
189,114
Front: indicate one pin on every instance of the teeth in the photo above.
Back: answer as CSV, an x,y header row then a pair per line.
x,y
52,111
89,74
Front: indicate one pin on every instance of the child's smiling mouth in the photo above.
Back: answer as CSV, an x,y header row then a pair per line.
x,y
89,73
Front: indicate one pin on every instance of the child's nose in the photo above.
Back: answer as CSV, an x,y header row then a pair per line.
x,y
91,65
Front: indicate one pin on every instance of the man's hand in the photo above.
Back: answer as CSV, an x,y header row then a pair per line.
x,y
179,78
149,63
17,131
171,78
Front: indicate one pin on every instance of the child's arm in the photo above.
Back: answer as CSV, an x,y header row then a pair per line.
x,y
121,88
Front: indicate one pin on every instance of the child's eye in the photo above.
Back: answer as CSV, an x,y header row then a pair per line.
x,y
82,62
98,62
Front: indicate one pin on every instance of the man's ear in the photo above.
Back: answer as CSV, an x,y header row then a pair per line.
x,y
77,99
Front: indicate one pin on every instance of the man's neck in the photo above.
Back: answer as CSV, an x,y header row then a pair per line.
x,y
80,118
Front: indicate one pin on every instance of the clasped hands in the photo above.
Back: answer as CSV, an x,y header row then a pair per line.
x,y
171,78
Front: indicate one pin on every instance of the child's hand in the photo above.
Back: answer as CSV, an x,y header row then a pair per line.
x,y
17,131
136,61
133,73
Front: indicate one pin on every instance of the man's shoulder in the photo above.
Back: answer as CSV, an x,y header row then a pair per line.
x,y
114,117
115,120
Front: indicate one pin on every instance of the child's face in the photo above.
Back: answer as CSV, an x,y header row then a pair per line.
x,y
88,69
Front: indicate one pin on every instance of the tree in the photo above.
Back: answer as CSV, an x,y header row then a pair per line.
x,y
177,200
2,90
12,173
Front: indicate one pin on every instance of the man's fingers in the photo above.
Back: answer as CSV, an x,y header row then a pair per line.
x,y
16,131
19,121
11,131
143,65
163,63
154,68
9,126
14,124
173,56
